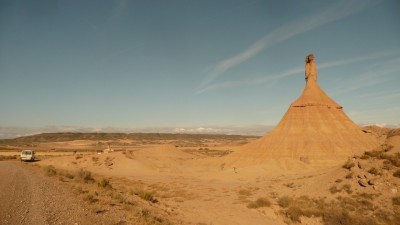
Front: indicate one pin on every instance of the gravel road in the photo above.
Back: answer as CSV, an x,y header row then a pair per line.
x,y
29,197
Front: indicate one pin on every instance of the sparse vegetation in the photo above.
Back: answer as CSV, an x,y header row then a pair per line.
x,y
290,185
121,198
147,196
354,210
345,187
90,198
86,176
245,192
393,159
396,201
349,175
397,173
260,202
374,171
348,165
50,170
104,183
334,189
7,157
284,201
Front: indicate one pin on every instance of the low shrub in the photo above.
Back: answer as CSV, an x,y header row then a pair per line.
x,y
348,165
344,211
397,173
334,189
347,188
147,196
260,202
50,170
374,171
104,183
393,159
349,175
90,198
86,176
69,175
245,192
7,157
396,201
284,201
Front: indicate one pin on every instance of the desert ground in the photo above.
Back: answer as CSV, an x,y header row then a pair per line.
x,y
184,179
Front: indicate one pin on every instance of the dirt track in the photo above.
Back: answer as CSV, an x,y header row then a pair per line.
x,y
28,197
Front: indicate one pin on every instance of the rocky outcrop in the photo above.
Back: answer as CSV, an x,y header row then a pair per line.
x,y
314,128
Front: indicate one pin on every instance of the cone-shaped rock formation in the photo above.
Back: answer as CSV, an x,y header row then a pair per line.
x,y
314,130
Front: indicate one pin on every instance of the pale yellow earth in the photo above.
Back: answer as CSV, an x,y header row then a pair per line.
x,y
198,189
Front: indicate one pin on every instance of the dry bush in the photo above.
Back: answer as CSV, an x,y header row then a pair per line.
x,y
148,196
284,201
69,175
245,192
393,159
387,165
86,176
396,201
104,183
374,171
334,189
354,210
90,198
397,173
349,175
260,202
121,198
50,170
394,132
345,187
80,190
349,164
290,185
7,157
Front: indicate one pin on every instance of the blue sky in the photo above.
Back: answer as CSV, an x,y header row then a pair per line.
x,y
186,66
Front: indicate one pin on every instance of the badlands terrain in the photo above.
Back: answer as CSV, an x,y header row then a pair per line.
x,y
82,178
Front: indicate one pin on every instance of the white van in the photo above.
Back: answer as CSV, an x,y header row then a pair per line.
x,y
27,155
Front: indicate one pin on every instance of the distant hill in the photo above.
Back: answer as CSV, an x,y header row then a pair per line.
x,y
67,136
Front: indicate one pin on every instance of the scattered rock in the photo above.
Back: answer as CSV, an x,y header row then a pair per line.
x,y
394,190
363,182
361,165
372,182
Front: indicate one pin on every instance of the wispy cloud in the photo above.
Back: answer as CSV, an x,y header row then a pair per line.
x,y
379,75
258,81
300,69
335,12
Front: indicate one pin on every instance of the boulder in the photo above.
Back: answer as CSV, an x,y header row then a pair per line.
x,y
363,182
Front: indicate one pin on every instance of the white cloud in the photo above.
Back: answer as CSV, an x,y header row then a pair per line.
x,y
335,12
